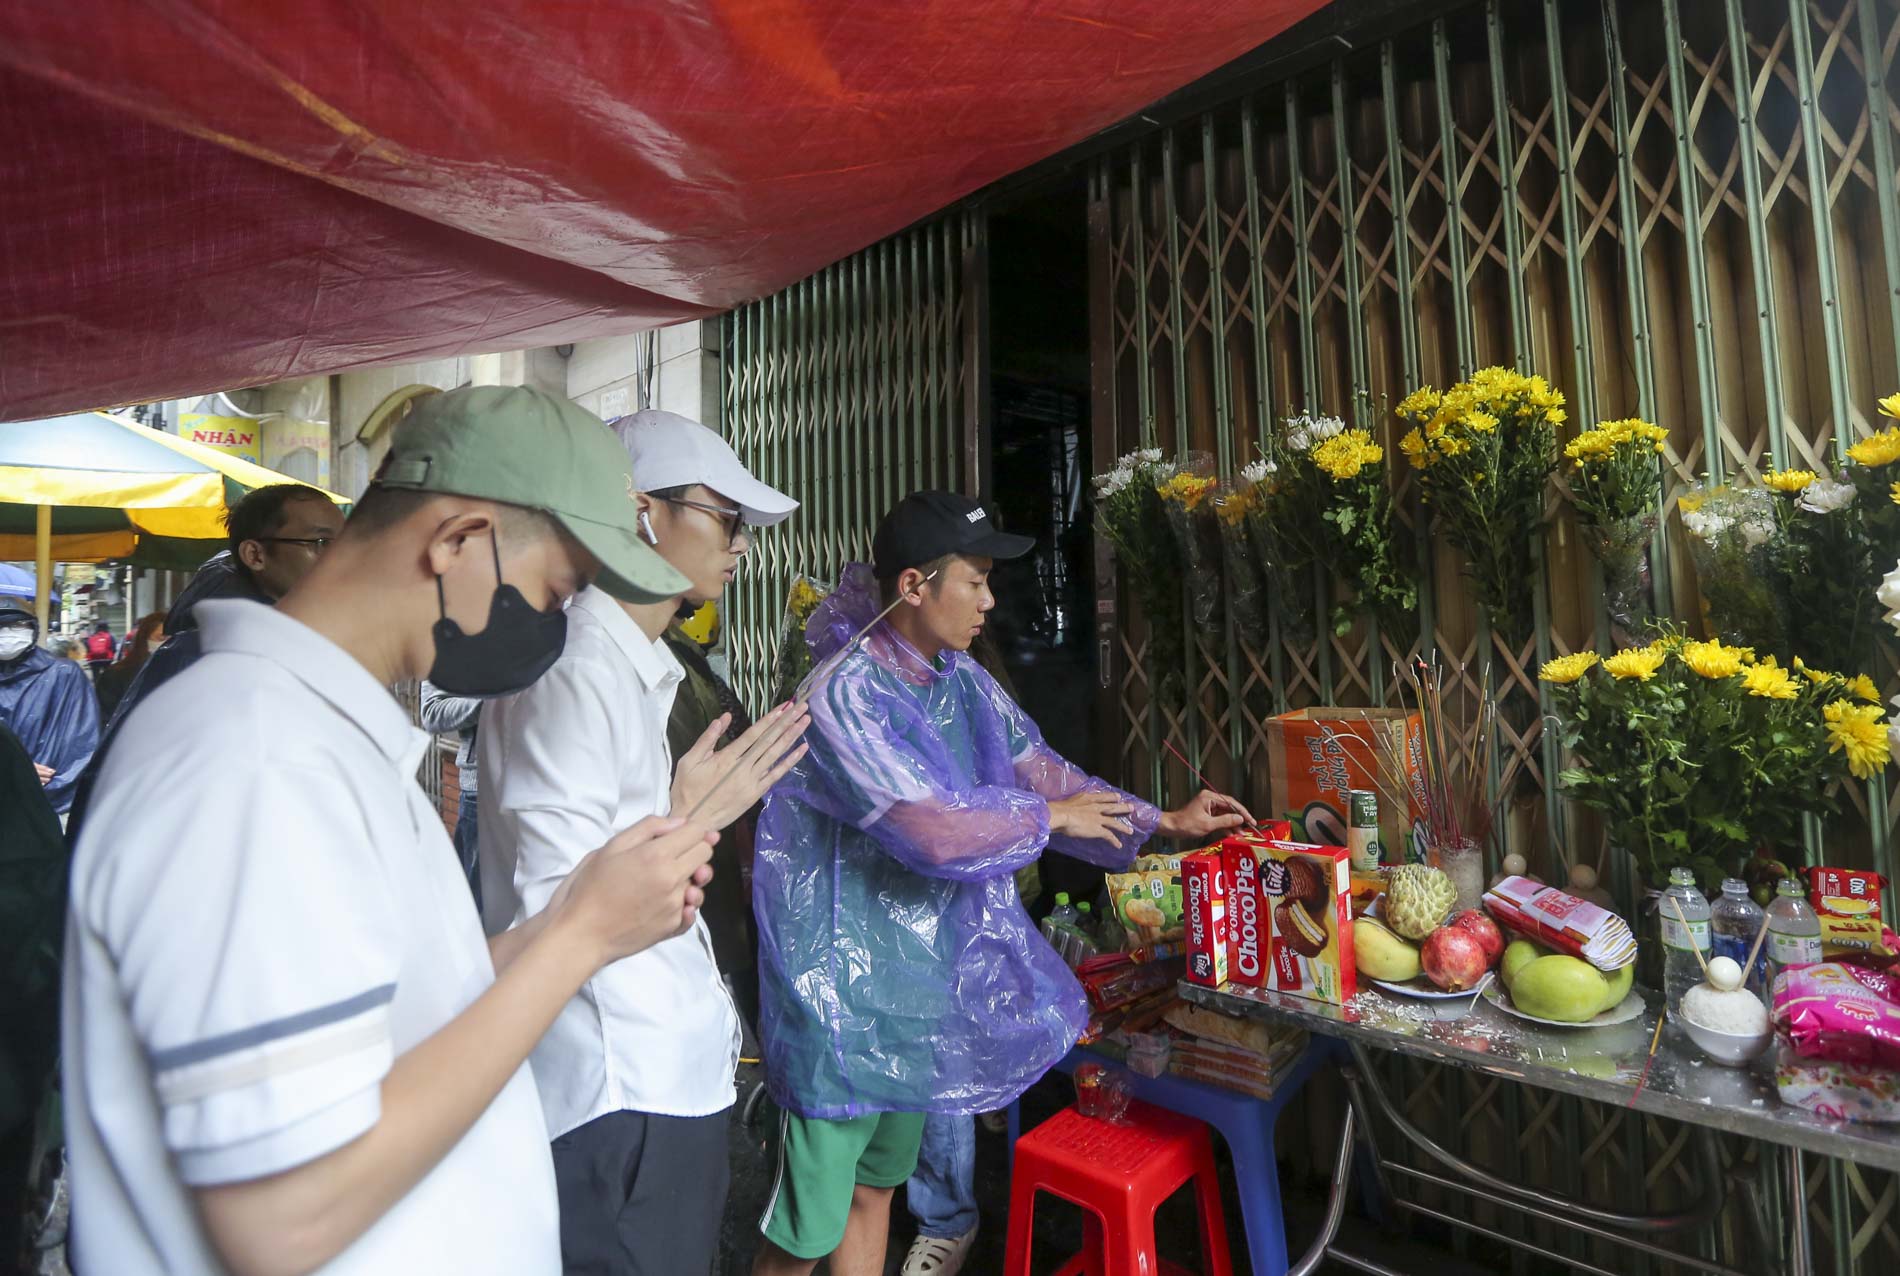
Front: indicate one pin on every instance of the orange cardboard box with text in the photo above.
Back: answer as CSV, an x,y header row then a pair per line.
x,y
1316,756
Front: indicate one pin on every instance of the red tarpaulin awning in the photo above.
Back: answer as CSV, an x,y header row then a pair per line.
x,y
199,194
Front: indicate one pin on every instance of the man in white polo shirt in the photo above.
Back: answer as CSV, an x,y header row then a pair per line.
x,y
636,1075
287,1045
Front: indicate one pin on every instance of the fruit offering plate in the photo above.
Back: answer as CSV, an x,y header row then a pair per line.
x,y
1427,990
1631,1007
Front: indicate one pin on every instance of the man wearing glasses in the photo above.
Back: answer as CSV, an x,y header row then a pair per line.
x,y
276,535
636,1075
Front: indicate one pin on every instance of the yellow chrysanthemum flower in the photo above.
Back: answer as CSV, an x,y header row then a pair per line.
x,y
1771,683
1420,405
1894,492
1482,422
1711,659
1890,406
1415,447
1188,489
1788,482
1346,453
1863,686
1878,449
1568,668
1856,729
1640,663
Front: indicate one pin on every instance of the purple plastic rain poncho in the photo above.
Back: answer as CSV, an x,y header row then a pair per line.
x,y
898,969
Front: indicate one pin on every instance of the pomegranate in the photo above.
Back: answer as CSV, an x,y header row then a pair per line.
x,y
1484,930
1453,958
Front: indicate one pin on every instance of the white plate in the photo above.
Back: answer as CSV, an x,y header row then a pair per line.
x,y
1426,990
1631,1007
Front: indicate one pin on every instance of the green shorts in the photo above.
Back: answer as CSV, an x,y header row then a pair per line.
x,y
820,1161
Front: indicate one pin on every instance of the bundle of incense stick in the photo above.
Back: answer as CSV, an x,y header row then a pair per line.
x,y
1455,757
802,696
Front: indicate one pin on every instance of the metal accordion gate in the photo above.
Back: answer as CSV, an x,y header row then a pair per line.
x,y
848,390
1678,209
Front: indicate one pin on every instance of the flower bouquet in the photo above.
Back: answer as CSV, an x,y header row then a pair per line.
x,y
1484,450
1615,483
1696,753
1188,502
793,660
1729,529
1820,568
1290,589
1234,510
1330,505
1129,510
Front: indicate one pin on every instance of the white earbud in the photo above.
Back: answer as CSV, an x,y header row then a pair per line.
x,y
646,529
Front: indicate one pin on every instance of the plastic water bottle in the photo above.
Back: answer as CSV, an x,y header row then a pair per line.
x,y
1737,920
1794,932
1683,936
1059,928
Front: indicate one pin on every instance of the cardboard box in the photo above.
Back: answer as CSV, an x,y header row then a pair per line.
x,y
1248,928
1204,912
1315,757
1303,895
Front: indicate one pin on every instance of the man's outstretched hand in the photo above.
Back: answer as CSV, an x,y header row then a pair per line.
x,y
1205,813
1092,815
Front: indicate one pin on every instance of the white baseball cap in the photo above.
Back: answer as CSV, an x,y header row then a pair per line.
x,y
669,450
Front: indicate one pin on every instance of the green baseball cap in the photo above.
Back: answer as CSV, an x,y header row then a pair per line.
x,y
522,446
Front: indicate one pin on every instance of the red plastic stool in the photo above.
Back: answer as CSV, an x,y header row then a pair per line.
x,y
1120,1174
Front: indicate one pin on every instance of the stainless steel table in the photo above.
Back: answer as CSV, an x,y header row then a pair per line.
x,y
1602,1064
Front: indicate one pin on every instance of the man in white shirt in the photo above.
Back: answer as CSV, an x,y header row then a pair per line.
x,y
286,1045
636,1075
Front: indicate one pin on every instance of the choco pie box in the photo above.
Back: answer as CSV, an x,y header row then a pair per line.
x,y
1290,916
1204,915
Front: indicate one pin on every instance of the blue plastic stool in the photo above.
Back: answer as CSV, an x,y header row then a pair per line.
x,y
1246,1125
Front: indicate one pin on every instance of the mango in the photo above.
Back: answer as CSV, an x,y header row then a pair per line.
x,y
1567,989
1619,984
1517,954
1381,954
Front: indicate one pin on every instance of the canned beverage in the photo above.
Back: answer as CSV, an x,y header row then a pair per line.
x,y
1362,829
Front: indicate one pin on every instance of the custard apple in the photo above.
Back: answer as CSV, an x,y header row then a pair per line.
x,y
1417,899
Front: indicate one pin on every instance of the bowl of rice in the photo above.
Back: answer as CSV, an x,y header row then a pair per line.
x,y
1729,1026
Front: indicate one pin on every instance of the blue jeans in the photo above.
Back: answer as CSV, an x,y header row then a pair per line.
x,y
942,1193
465,846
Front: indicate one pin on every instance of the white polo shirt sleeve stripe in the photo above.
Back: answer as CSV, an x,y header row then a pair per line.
x,y
319,1036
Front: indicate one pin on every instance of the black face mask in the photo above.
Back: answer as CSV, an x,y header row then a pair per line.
x,y
519,645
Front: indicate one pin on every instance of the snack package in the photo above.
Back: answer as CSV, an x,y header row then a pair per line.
x,y
1316,757
1249,933
1863,941
1562,921
1204,905
1841,1013
1147,902
1838,1091
1304,891
1845,892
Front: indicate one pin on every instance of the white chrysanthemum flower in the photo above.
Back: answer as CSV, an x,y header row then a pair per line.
x,y
1705,526
1755,532
1114,481
1304,431
1254,471
1825,496
1148,455
1889,597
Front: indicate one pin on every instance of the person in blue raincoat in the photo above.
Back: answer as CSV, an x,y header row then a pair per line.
x,y
47,702
899,973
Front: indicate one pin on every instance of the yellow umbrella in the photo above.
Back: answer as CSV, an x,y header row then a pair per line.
x,y
95,486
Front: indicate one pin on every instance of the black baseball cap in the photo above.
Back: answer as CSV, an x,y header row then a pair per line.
x,y
925,526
